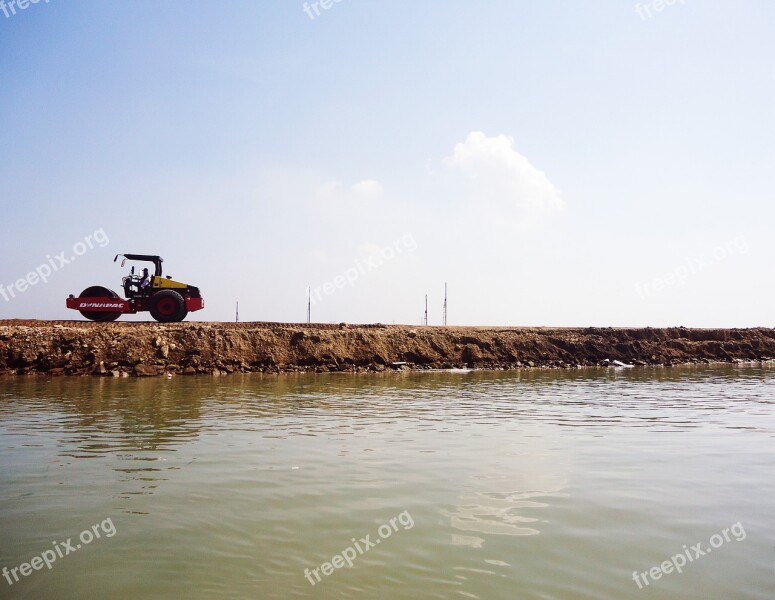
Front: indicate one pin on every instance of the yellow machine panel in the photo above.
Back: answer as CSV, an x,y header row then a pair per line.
x,y
163,283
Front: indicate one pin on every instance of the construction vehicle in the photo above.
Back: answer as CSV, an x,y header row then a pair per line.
x,y
167,300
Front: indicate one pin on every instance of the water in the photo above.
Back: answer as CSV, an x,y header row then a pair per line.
x,y
530,485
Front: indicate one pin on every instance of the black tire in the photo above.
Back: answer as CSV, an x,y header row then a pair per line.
x,y
168,306
97,291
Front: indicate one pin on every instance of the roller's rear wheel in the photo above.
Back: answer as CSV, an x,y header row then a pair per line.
x,y
168,306
97,291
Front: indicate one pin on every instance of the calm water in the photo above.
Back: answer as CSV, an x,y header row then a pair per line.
x,y
499,485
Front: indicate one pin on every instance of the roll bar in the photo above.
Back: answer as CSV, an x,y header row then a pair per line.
x,y
156,260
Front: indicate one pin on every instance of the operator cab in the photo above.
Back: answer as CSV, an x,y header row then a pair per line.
x,y
136,286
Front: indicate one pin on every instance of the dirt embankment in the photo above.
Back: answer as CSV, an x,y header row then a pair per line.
x,y
147,349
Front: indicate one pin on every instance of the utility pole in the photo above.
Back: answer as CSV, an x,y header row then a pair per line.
x,y
237,321
445,304
426,309
309,304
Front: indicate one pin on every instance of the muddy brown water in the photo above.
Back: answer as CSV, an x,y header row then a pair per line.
x,y
533,485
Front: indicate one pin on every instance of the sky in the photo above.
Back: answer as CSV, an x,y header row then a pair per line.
x,y
555,163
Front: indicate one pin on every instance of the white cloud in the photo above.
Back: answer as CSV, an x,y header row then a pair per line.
x,y
329,189
503,177
368,187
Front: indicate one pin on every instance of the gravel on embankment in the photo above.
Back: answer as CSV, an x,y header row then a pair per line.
x,y
149,349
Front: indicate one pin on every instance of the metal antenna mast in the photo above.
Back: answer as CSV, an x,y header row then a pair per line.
x,y
445,304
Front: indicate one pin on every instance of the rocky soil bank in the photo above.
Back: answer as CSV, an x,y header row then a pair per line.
x,y
151,349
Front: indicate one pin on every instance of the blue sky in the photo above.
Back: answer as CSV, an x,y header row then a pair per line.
x,y
558,163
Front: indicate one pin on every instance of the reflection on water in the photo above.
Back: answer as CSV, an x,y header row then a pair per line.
x,y
495,513
539,484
